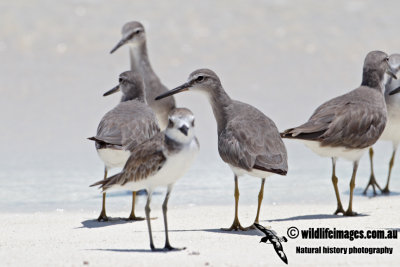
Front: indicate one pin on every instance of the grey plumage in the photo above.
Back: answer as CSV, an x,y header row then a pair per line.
x,y
159,161
347,125
392,129
251,140
248,141
124,127
353,120
133,33
144,161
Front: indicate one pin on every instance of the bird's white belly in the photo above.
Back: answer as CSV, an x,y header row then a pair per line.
x,y
254,172
113,158
174,168
392,129
335,152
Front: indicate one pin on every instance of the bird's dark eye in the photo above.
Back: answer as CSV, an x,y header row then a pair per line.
x,y
120,80
137,31
199,79
170,123
387,59
193,123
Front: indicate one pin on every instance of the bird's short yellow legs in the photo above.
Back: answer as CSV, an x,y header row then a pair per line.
x,y
335,182
349,211
236,224
372,181
103,217
132,216
391,163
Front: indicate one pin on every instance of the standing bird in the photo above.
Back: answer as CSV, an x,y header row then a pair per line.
x,y
274,239
248,141
392,129
130,123
346,126
159,161
133,34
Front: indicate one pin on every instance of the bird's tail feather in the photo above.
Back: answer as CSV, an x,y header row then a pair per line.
x,y
107,183
93,138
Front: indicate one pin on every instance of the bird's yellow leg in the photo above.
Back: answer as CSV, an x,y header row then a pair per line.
x,y
236,224
335,182
391,163
132,216
372,181
349,211
103,217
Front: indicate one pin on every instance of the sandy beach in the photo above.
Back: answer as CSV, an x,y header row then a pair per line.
x,y
283,57
62,238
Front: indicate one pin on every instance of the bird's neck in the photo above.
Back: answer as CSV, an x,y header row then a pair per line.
x,y
373,78
140,60
138,96
220,102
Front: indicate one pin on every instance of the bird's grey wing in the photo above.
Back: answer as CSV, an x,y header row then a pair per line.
x,y
145,160
257,145
352,120
138,131
128,124
355,125
317,124
109,129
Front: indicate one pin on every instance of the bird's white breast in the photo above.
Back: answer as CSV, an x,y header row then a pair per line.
x,y
392,128
113,158
335,152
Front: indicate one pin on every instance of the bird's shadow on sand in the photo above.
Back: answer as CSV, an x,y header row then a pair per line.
x,y
94,223
314,217
136,250
221,231
358,191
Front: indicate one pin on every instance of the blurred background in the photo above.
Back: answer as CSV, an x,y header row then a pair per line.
x,y
284,57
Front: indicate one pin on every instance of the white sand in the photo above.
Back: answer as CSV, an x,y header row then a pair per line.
x,y
75,239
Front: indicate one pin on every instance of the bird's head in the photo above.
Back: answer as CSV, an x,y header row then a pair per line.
x,y
131,85
180,125
394,62
376,64
203,80
132,33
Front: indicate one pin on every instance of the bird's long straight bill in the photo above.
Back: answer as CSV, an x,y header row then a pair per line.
x,y
395,91
112,91
183,87
391,74
120,43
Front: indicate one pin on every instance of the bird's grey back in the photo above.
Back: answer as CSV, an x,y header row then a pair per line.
x,y
353,120
251,140
128,124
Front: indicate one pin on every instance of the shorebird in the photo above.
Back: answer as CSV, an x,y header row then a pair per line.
x,y
130,123
248,141
133,34
346,126
392,129
159,161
